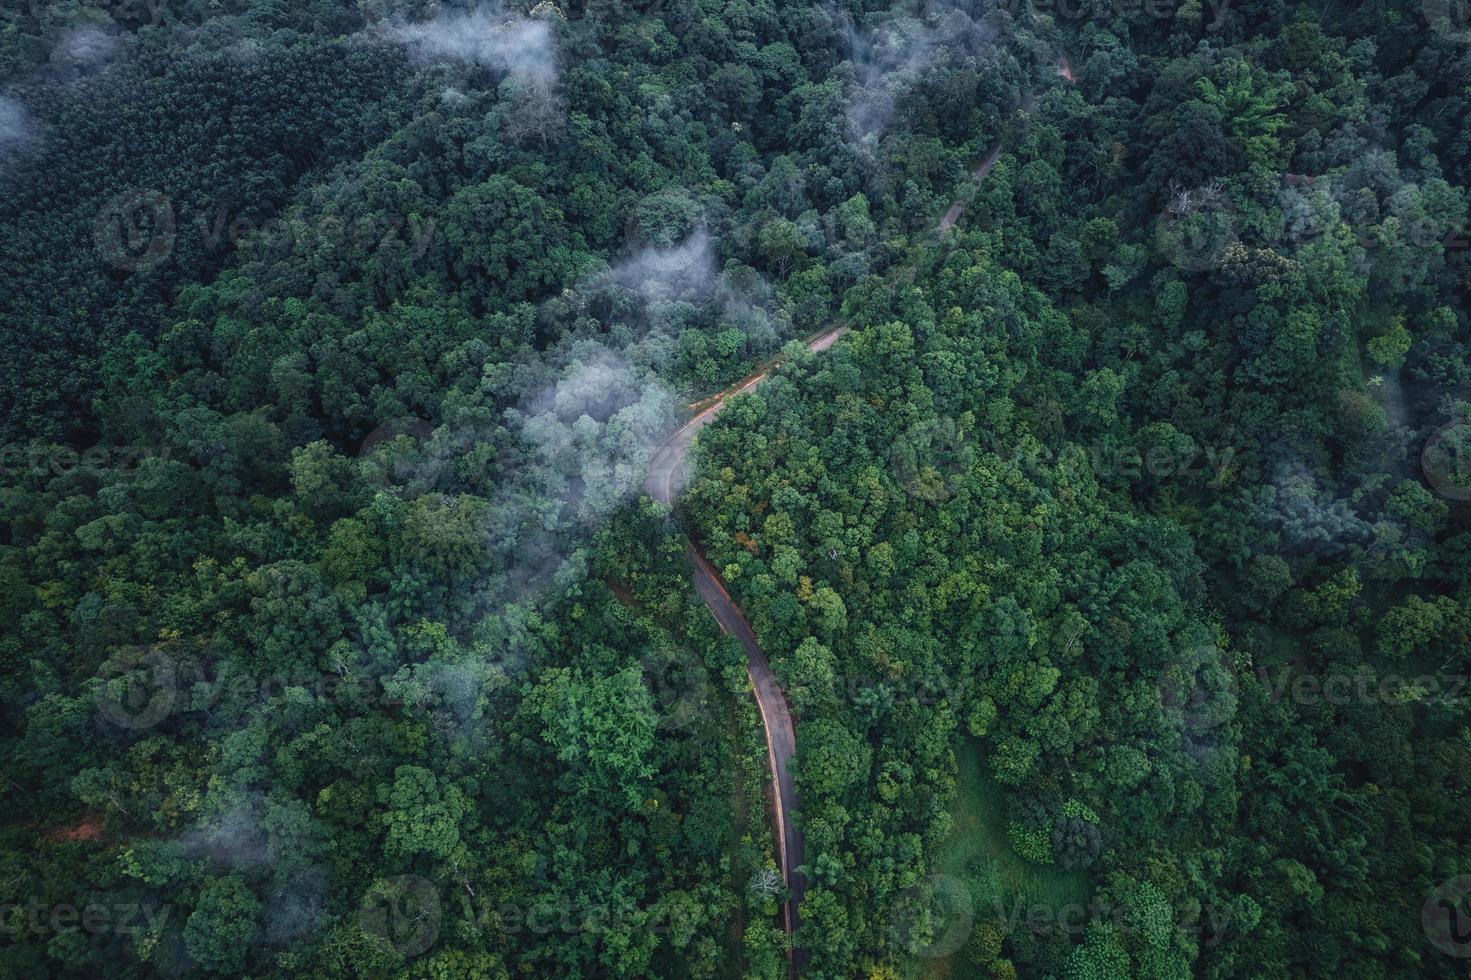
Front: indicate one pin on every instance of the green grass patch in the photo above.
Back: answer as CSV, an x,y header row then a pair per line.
x,y
978,853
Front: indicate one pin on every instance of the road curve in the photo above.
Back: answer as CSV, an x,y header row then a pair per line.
x,y
662,483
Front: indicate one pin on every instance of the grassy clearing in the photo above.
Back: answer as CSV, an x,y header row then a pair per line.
x,y
979,854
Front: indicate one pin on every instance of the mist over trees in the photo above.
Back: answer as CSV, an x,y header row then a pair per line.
x,y
1114,562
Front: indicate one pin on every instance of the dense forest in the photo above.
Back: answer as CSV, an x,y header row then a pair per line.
x,y
1115,562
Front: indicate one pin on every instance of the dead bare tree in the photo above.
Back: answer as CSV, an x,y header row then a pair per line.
x,y
1188,200
538,114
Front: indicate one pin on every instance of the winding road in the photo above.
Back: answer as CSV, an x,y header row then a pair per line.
x,y
662,484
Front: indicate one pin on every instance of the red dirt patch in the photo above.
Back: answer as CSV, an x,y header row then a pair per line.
x,y
88,829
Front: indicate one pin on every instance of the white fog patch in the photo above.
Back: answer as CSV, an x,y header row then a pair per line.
x,y
591,434
584,444
521,47
234,836
456,694
1305,517
16,129
296,906
86,48
488,37
889,58
687,275
685,270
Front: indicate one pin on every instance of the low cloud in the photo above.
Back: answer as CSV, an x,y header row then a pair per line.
x,y
683,284
233,837
489,37
16,129
890,57
1304,517
86,48
685,270
296,907
583,441
591,434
